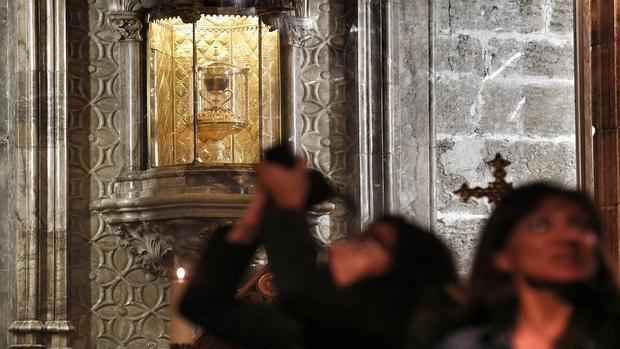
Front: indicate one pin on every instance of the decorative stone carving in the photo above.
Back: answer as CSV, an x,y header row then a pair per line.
x,y
153,243
148,244
270,11
324,131
128,25
135,5
169,210
152,233
299,31
102,274
188,11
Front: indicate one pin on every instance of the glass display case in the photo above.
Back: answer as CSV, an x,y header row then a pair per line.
x,y
212,90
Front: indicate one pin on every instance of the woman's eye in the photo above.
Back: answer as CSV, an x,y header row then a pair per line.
x,y
539,225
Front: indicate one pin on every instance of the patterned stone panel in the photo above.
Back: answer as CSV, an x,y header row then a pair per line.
x,y
326,137
111,302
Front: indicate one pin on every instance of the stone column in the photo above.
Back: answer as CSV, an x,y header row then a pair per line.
x,y
27,325
295,33
374,93
128,26
7,269
40,195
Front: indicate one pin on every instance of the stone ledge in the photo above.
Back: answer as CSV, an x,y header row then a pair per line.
x,y
37,326
180,205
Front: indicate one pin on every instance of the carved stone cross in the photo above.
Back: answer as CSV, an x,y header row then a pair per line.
x,y
496,189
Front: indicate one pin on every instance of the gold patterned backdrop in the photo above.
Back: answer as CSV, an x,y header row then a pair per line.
x,y
171,99
230,39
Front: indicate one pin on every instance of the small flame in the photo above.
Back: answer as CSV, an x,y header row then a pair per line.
x,y
180,273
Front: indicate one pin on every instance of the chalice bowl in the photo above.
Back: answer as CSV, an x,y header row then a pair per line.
x,y
223,107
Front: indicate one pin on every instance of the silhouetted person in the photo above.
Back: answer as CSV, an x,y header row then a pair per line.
x,y
363,297
539,279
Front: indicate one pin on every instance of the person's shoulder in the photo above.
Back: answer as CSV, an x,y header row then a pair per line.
x,y
464,338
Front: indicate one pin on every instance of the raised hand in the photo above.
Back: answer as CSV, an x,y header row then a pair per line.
x,y
286,187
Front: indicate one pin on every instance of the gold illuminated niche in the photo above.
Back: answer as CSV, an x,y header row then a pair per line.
x,y
213,90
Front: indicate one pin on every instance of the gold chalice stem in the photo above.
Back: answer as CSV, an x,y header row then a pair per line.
x,y
216,148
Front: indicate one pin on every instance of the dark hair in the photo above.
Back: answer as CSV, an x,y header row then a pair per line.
x,y
493,296
424,268
419,255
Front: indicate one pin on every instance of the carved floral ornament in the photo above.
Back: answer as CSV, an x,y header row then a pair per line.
x,y
149,246
128,25
152,243
299,31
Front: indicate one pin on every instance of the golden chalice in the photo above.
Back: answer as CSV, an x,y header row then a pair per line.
x,y
223,107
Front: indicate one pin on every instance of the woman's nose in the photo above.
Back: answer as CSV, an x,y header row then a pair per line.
x,y
591,240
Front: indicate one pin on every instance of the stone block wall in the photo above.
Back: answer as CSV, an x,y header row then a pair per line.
x,y
502,81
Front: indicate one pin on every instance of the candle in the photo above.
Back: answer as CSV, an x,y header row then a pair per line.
x,y
181,330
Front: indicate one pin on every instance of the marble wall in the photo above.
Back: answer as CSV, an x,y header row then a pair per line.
x,y
503,81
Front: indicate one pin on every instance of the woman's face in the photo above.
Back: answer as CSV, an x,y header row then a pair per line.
x,y
553,244
365,256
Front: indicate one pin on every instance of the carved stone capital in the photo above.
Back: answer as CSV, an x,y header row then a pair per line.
x,y
148,244
299,30
128,25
